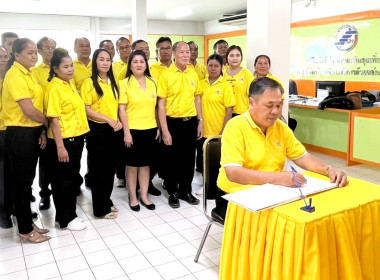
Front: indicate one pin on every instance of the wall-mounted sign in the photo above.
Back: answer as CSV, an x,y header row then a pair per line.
x,y
346,37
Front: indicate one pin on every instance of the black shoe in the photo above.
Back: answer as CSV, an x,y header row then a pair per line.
x,y
32,198
148,206
153,190
173,200
6,222
34,215
135,208
44,203
189,198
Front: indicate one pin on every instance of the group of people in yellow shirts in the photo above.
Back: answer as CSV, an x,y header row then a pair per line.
x,y
125,108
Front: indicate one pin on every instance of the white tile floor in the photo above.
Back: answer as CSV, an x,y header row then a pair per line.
x,y
158,244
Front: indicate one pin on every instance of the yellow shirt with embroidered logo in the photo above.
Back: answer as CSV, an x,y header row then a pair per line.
x,y
19,84
215,99
41,73
245,145
64,103
106,105
2,126
179,89
157,69
81,73
117,66
141,104
200,69
240,84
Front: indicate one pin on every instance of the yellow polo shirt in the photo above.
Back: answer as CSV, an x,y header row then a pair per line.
x,y
179,89
64,103
157,69
116,68
81,73
141,104
215,99
240,84
19,84
200,69
2,126
106,105
244,144
41,73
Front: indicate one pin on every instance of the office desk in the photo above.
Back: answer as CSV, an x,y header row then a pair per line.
x,y
340,240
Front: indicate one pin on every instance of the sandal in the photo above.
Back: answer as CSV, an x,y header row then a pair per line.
x,y
110,216
34,237
40,230
114,209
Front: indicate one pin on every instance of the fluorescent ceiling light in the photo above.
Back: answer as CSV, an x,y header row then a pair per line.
x,y
178,13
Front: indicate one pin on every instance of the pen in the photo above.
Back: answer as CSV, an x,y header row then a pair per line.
x,y
298,184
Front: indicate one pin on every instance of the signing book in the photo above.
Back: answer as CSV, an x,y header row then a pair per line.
x,y
268,196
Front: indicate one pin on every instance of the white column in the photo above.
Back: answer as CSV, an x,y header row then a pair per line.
x,y
139,20
268,32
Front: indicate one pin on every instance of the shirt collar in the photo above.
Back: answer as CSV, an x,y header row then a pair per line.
x,y
100,80
22,68
176,69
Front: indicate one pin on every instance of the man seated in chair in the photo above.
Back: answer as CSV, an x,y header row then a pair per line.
x,y
255,145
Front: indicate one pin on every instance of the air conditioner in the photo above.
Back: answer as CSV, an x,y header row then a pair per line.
x,y
238,19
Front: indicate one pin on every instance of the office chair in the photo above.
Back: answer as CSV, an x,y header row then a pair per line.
x,y
211,165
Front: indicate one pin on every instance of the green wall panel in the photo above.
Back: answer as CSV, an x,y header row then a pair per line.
x,y
325,129
366,139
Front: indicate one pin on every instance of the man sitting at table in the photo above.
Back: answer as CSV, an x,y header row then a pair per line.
x,y
256,144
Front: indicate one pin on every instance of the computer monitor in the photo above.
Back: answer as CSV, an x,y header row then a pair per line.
x,y
335,88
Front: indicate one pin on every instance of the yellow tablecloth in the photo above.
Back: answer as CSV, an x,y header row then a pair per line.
x,y
340,240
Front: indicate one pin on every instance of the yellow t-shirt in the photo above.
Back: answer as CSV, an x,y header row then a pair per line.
x,y
200,69
240,84
81,73
2,126
41,73
116,68
19,84
64,103
107,105
215,99
141,104
179,89
244,144
157,69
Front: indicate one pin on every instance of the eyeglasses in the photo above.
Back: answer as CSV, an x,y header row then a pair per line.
x,y
48,48
124,48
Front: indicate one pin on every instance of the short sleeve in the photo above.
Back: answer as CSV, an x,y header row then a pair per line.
x,y
294,148
198,88
123,88
232,146
228,96
19,88
162,82
86,91
53,109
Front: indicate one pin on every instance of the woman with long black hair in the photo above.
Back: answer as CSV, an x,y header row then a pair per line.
x,y
100,95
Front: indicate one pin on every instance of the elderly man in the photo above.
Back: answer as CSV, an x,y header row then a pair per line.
x,y
83,63
123,48
256,144
108,46
180,114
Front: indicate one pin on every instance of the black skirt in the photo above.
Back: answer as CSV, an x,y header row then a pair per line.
x,y
144,148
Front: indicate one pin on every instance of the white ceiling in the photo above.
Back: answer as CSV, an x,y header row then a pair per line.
x,y
202,10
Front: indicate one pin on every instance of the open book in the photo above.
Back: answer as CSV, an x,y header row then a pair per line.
x,y
268,196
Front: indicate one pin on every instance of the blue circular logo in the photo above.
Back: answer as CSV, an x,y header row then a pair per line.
x,y
346,38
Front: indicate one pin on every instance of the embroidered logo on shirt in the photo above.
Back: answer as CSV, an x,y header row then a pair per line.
x,y
242,79
278,144
192,83
217,91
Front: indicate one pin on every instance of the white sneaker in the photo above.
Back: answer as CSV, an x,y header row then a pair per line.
x,y
76,224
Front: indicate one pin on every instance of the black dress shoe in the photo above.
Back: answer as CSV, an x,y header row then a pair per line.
x,y
44,203
135,208
173,200
148,206
189,198
34,215
153,190
6,222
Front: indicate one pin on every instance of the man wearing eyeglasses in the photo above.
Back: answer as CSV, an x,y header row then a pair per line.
x,y
123,48
45,47
164,56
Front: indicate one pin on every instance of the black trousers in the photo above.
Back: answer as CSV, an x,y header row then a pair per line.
x,y
22,146
180,156
199,159
101,146
66,179
44,173
6,201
